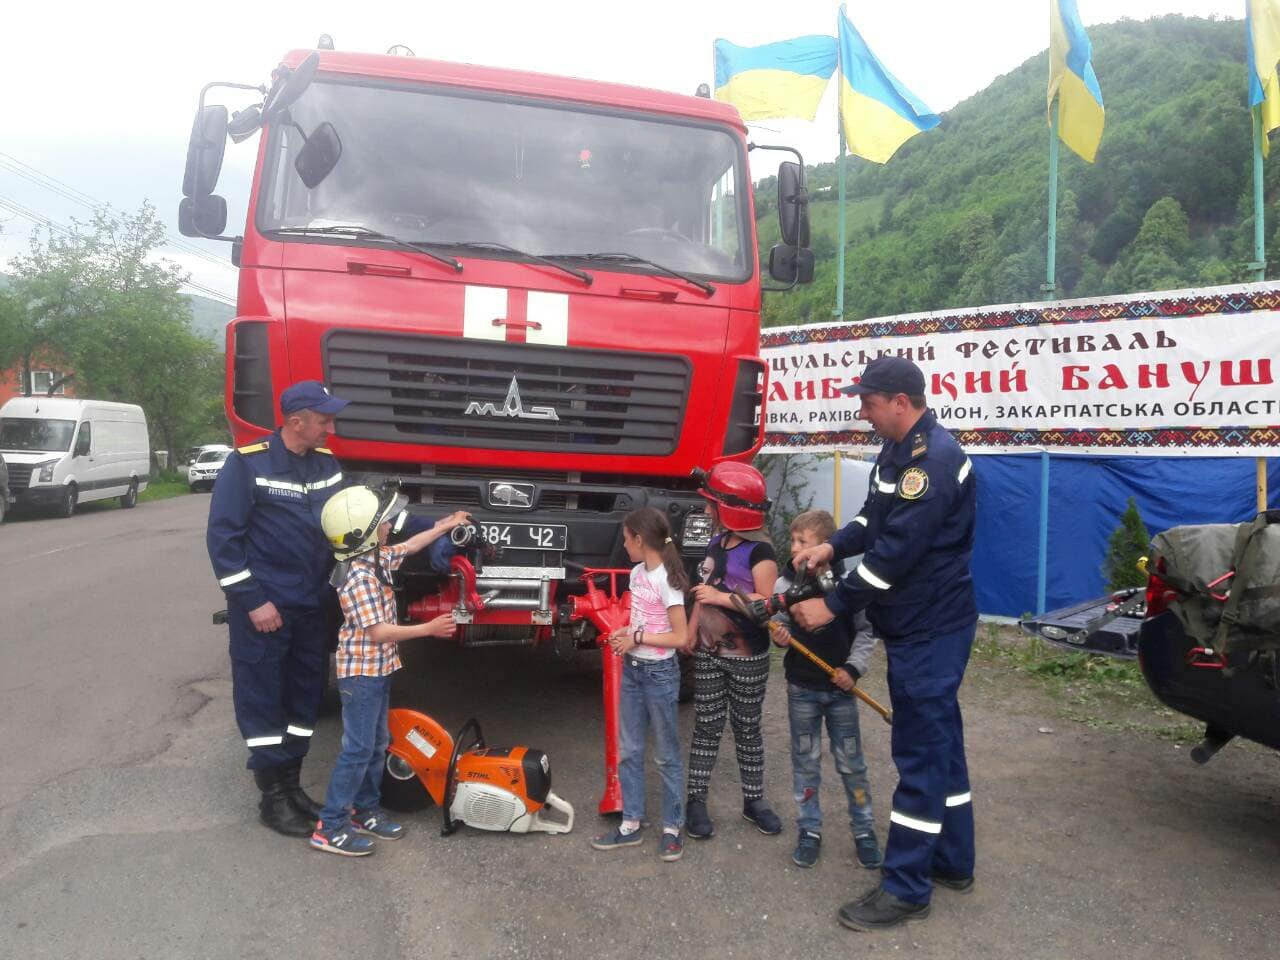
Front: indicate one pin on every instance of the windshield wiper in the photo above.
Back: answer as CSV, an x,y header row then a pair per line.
x,y
366,233
582,275
706,288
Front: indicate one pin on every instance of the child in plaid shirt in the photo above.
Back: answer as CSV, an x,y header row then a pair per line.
x,y
357,523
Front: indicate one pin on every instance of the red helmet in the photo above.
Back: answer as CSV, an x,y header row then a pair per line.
x,y
739,493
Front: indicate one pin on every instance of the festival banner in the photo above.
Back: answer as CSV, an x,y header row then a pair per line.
x,y
1176,372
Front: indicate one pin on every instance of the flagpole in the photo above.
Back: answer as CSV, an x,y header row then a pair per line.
x,y
1049,288
1259,265
838,312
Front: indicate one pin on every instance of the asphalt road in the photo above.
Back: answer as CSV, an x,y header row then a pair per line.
x,y
128,825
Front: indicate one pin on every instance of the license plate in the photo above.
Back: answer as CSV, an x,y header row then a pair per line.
x,y
526,536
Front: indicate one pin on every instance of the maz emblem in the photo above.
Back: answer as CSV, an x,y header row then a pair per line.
x,y
513,406
504,494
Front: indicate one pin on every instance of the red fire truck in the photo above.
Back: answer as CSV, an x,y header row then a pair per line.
x,y
541,296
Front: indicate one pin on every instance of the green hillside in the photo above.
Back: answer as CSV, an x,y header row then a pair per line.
x,y
958,217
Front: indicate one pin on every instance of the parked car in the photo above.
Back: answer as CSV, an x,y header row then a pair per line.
x,y
4,489
63,451
1200,577
204,469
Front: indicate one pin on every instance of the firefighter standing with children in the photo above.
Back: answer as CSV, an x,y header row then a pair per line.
x,y
915,536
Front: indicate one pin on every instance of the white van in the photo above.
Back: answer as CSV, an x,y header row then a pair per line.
x,y
63,451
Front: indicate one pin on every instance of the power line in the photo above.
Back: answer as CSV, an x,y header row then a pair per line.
x,y
38,218
74,194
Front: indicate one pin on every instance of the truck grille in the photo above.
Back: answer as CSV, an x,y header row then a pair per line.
x,y
417,389
19,477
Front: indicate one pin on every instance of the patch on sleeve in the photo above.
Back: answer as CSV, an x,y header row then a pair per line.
x,y
913,483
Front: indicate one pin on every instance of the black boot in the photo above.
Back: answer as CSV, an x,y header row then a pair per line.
x,y
289,776
697,822
761,814
880,910
275,809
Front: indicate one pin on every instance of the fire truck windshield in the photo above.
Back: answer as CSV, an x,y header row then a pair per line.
x,y
452,169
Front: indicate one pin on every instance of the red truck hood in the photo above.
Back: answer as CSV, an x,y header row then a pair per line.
x,y
623,326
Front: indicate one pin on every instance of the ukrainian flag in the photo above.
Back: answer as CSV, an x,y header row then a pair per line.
x,y
1073,82
1262,23
783,79
879,114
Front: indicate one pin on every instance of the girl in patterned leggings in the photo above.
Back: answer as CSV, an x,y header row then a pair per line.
x,y
731,659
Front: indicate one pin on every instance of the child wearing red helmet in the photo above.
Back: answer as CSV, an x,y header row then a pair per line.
x,y
731,656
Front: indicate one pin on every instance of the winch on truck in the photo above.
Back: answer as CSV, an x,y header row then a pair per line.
x,y
541,296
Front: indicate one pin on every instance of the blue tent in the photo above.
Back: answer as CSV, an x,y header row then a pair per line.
x,y
1087,495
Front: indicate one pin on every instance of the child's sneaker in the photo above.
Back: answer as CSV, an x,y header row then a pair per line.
x,y
617,840
807,849
375,824
868,850
345,843
671,848
759,813
697,822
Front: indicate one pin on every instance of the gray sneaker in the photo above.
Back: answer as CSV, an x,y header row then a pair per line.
x,y
868,850
807,849
671,848
616,840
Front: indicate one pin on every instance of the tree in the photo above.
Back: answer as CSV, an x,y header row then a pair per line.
x,y
1128,544
100,297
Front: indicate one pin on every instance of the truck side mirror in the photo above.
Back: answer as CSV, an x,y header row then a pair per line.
x,y
204,151
791,265
82,445
319,155
793,205
202,216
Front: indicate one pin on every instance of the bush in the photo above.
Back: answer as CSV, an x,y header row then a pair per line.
x,y
1128,544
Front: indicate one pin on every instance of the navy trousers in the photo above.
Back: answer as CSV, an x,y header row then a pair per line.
x,y
931,825
278,680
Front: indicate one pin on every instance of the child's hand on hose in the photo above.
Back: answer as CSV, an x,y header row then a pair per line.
x,y
441,626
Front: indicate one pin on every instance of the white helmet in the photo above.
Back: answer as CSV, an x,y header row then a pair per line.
x,y
350,518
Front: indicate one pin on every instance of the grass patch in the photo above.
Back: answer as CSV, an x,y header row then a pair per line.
x,y
163,489
1097,691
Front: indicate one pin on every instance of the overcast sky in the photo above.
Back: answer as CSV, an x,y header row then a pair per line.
x,y
101,95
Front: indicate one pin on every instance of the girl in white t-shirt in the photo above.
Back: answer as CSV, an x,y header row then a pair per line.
x,y
650,681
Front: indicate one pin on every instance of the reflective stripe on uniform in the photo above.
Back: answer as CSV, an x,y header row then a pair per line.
x,y
924,826
281,485
298,731
234,578
264,741
964,470
871,578
860,519
322,484
885,487
959,799
299,487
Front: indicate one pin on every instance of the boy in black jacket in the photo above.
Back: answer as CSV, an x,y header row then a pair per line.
x,y
845,643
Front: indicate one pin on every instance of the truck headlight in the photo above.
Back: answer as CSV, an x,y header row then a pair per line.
x,y
696,531
46,471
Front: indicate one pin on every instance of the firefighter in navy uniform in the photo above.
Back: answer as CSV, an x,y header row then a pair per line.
x,y
915,535
272,560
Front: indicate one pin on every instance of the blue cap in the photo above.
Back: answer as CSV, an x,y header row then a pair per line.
x,y
892,375
310,395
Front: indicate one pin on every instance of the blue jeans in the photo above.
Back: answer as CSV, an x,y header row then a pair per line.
x,y
806,710
649,692
357,773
